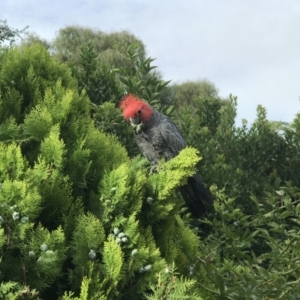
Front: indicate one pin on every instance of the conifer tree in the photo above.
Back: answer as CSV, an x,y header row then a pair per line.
x,y
78,217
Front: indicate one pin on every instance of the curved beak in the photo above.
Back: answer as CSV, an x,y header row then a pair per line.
x,y
135,120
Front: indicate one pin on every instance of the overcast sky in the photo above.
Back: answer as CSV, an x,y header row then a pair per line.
x,y
248,48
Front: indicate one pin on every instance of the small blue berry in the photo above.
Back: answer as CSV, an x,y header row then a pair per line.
x,y
44,247
149,200
49,253
134,252
148,268
24,220
31,254
116,230
92,254
15,215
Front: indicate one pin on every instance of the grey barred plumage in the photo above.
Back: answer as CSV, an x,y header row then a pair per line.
x,y
158,137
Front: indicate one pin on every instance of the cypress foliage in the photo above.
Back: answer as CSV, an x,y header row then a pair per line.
x,y
81,218
78,217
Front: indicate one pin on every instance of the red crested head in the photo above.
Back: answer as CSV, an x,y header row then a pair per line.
x,y
134,108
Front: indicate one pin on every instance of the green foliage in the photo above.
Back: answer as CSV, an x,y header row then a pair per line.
x,y
123,249
22,90
79,219
132,252
84,292
21,243
9,34
12,290
105,85
105,81
254,256
169,286
12,162
52,149
175,172
140,79
32,38
35,185
96,76
248,246
75,210
188,92
88,238
112,260
9,130
7,290
108,47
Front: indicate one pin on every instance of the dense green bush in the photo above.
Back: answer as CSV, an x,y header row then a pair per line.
x,y
250,242
80,218
75,210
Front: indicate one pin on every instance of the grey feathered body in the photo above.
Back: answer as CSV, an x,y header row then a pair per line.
x,y
160,138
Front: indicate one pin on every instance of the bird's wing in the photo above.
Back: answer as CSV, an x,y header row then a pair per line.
x,y
146,148
172,136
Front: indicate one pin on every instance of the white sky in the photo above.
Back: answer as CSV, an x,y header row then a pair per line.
x,y
249,48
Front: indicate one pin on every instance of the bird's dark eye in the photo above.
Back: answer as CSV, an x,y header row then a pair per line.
x,y
139,111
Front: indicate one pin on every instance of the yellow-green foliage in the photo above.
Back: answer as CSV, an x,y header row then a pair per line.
x,y
38,173
79,157
175,172
125,193
56,192
91,156
76,213
52,148
122,190
2,237
9,130
170,287
36,71
188,244
85,291
88,236
115,189
10,290
177,242
54,108
130,251
106,152
38,122
20,202
165,182
113,263
59,101
44,253
21,195
12,164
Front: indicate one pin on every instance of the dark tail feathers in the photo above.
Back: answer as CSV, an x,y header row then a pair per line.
x,y
195,196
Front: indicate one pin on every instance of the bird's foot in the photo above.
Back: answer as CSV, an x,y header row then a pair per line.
x,y
153,169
